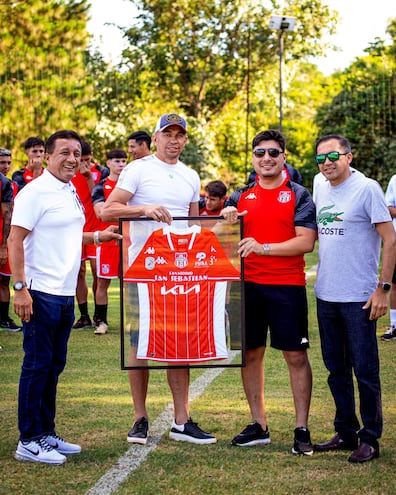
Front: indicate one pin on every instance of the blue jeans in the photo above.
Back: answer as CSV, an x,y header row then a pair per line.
x,y
349,344
45,340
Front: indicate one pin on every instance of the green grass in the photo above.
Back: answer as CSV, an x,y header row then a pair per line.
x,y
94,409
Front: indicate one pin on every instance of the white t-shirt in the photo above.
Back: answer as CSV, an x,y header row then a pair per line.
x,y
53,213
154,182
349,244
390,195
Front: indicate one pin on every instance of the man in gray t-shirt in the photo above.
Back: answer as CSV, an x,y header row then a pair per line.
x,y
352,219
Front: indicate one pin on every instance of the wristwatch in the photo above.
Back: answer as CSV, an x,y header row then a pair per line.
x,y
385,286
19,285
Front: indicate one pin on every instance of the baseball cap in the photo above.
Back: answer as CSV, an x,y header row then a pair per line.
x,y
5,152
169,119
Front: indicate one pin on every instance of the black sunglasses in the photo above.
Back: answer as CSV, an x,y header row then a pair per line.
x,y
333,156
273,152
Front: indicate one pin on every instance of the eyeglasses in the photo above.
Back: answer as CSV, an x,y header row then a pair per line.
x,y
333,156
273,152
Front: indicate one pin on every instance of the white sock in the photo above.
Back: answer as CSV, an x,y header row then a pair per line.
x,y
178,427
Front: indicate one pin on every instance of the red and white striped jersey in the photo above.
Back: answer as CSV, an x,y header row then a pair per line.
x,y
181,277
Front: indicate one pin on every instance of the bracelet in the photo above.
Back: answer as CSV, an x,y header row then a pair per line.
x,y
96,237
266,249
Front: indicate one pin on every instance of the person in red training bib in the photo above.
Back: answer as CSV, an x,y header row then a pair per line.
x,y
107,253
213,201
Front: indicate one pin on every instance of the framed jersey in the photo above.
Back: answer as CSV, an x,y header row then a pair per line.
x,y
181,293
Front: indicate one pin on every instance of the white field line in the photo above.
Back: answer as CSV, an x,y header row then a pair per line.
x,y
136,454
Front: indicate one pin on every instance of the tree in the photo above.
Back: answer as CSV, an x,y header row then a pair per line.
x,y
364,110
43,82
197,51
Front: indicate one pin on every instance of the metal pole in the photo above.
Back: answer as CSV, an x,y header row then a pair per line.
x,y
281,33
247,144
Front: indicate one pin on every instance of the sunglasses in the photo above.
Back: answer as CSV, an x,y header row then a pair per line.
x,y
333,156
273,152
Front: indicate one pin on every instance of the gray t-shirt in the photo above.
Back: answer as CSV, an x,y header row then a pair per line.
x,y
349,244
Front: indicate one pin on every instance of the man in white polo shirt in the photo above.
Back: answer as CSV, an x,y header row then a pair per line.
x,y
45,251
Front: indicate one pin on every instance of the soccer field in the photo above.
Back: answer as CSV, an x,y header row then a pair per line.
x,y
94,410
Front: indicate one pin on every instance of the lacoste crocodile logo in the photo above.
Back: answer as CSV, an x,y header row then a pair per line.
x,y
325,217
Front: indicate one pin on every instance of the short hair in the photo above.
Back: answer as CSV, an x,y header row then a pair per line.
x,y
33,141
5,152
85,148
270,135
216,188
62,134
344,142
116,153
140,137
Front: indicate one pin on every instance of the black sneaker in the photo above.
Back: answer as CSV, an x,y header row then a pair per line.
x,y
253,434
10,325
390,334
302,442
190,432
138,432
83,322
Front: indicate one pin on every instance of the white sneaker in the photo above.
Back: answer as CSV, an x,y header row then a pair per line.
x,y
61,445
101,328
38,451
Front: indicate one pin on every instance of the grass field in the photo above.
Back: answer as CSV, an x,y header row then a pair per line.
x,y
94,409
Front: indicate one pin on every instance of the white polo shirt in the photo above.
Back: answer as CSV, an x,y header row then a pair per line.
x,y
53,213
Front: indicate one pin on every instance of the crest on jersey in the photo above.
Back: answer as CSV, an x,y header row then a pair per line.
x,y
105,268
181,260
284,196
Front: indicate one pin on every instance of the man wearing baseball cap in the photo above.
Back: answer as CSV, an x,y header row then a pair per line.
x,y
146,188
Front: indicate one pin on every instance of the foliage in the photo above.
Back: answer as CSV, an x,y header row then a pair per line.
x,y
364,110
197,52
42,78
208,59
216,62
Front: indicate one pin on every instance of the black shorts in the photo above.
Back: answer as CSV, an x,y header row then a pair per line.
x,y
283,309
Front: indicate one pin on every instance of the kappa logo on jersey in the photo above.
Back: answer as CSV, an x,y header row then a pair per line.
x,y
181,260
149,263
105,268
213,249
107,186
160,260
149,250
251,196
284,196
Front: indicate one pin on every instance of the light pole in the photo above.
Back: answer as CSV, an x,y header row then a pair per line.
x,y
282,24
